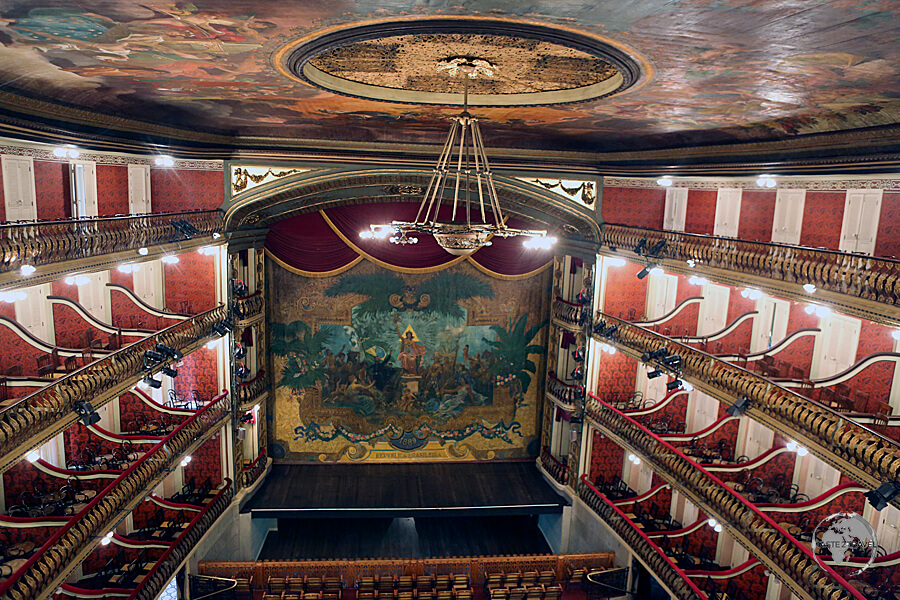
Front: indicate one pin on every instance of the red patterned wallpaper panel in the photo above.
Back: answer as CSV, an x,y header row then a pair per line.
x,y
103,554
625,292
16,351
727,432
38,535
705,538
737,304
125,313
783,463
735,341
198,371
638,207
173,190
823,214
757,215
607,458
133,412
120,278
69,327
23,475
888,241
701,211
798,353
684,323
205,462
191,280
144,512
754,582
8,309
616,376
51,181
876,379
112,190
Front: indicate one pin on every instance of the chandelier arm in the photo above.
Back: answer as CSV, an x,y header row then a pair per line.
x,y
462,147
435,188
492,191
479,167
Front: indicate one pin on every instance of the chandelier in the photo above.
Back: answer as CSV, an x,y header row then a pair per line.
x,y
475,214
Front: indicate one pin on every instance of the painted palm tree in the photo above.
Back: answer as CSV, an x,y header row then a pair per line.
x,y
303,352
513,347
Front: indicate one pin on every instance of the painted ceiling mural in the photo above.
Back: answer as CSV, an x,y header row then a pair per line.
x,y
714,70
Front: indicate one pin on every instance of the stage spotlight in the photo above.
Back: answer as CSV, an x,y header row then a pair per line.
x,y
578,354
578,373
220,329
242,371
673,385
154,383
738,408
167,370
152,355
239,351
583,297
646,271
610,331
654,374
886,492
168,351
246,418
239,288
673,361
86,413
640,246
654,354
657,248
598,327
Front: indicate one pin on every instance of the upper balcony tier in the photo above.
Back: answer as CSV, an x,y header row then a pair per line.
x,y
861,453
59,248
864,286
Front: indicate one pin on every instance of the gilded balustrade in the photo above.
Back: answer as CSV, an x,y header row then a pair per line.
x,y
856,275
246,308
569,396
32,416
650,553
566,312
46,242
557,470
254,470
164,569
852,448
44,572
793,563
252,389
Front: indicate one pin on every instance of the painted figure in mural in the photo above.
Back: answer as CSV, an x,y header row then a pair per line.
x,y
411,352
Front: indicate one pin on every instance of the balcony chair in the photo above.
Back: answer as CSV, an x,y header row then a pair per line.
x,y
517,593
14,371
496,594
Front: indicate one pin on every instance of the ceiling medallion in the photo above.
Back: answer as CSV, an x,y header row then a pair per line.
x,y
516,63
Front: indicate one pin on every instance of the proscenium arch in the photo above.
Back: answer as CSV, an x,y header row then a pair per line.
x,y
316,190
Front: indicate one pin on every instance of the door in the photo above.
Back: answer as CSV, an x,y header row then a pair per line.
x,y
820,477
886,529
835,350
83,181
35,314
676,209
862,210
702,411
714,310
770,323
788,219
757,438
139,189
18,188
652,389
728,212
92,296
661,291
148,283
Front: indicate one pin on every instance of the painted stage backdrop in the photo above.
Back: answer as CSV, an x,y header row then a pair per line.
x,y
374,364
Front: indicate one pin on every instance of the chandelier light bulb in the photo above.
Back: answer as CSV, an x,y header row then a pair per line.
x,y
82,280
761,182
770,183
809,288
169,259
691,263
717,528
366,234
27,270
59,152
631,458
791,446
712,523
143,251
810,309
664,181
637,461
801,451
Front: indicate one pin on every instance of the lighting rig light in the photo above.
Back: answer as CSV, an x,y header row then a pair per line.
x,y
879,498
86,412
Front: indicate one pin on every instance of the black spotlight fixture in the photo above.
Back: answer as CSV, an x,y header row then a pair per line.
x,y
580,392
246,417
738,408
583,297
154,383
578,354
880,497
169,351
639,249
673,385
153,356
171,372
657,248
654,354
86,412
578,373
599,327
645,271
239,351
242,371
227,324
611,331
185,228
654,374
220,329
673,361
239,288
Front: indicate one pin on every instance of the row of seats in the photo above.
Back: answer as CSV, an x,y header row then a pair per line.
x,y
302,585
515,579
534,592
454,594
407,583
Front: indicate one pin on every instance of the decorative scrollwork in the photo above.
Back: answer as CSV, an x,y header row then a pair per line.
x,y
242,178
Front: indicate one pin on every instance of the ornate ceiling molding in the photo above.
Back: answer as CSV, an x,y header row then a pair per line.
x,y
794,183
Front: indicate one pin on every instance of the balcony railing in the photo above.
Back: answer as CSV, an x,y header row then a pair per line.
x,y
794,563
164,568
556,469
46,570
862,453
853,274
104,378
254,470
45,242
248,307
651,554
567,395
252,389
567,312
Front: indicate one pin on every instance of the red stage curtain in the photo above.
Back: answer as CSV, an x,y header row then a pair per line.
x,y
310,244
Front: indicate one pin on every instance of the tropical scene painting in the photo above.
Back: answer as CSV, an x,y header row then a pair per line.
x,y
373,364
